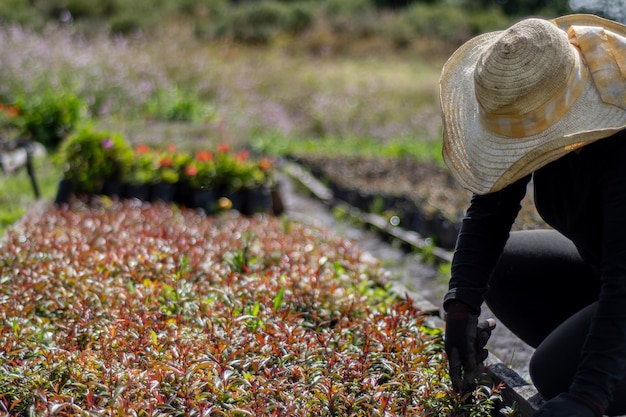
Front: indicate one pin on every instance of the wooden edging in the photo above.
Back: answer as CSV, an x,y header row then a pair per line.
x,y
517,393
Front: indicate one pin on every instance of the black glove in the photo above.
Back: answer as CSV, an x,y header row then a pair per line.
x,y
465,342
570,405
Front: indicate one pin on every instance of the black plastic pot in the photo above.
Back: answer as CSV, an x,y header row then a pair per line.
x,y
113,189
257,200
205,200
64,192
163,191
138,191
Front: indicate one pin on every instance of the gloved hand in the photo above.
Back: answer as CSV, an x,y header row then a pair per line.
x,y
465,341
570,405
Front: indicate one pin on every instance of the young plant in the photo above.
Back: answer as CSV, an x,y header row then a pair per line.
x,y
143,167
135,309
170,164
90,157
200,172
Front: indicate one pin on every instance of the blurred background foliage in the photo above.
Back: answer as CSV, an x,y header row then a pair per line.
x,y
225,63
280,76
201,61
258,21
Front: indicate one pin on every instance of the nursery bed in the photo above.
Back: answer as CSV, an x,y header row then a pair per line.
x,y
424,197
147,309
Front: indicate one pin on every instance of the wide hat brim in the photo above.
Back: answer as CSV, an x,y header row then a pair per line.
x,y
484,162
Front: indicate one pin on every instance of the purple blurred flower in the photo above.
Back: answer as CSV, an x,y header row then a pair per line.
x,y
107,143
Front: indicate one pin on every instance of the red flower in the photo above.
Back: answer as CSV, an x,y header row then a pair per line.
x,y
265,164
204,156
11,111
191,170
142,149
242,155
8,110
166,161
223,148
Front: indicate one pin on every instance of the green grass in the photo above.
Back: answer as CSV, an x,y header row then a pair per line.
x,y
16,191
423,150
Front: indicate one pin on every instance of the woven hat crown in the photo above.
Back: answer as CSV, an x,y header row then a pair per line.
x,y
523,69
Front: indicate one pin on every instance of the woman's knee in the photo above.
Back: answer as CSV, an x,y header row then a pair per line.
x,y
526,290
555,361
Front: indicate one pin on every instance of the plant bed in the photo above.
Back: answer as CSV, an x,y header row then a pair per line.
x,y
103,163
423,196
147,309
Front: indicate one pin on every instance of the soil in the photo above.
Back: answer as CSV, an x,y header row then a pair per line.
x,y
426,185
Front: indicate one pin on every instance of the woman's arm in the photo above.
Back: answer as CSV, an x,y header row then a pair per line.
x,y
483,234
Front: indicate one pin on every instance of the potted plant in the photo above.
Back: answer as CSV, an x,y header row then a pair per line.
x,y
169,166
232,171
243,181
141,173
258,184
90,158
200,173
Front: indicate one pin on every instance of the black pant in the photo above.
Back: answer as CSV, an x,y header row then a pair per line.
x,y
546,294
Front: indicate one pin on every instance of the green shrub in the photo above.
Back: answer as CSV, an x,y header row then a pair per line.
x,y
450,23
175,105
302,16
445,22
20,12
351,16
488,20
80,9
348,7
400,31
138,15
50,116
258,23
126,25
90,157
208,8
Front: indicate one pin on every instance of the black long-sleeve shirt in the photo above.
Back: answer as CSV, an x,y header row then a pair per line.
x,y
583,196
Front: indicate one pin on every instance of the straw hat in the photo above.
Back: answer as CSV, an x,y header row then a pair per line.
x,y
515,100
